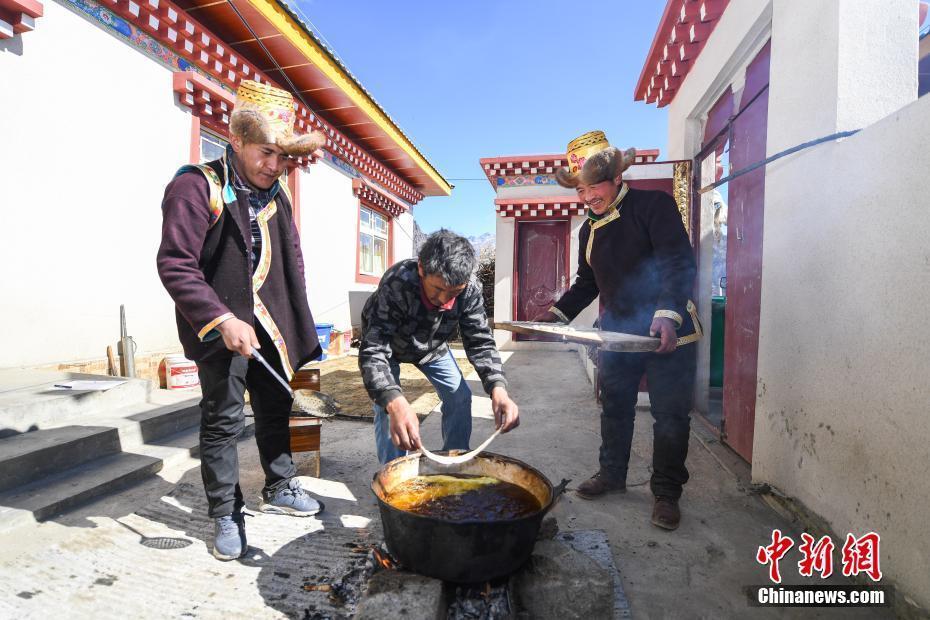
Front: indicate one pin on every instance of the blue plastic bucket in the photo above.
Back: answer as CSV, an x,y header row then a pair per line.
x,y
323,333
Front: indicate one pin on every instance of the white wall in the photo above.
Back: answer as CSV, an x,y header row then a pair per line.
x,y
838,66
534,191
705,277
90,136
403,236
841,412
503,276
329,240
841,415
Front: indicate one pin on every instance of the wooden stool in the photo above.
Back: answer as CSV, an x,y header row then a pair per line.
x,y
305,430
305,436
306,379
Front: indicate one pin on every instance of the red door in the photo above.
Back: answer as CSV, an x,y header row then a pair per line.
x,y
541,268
744,260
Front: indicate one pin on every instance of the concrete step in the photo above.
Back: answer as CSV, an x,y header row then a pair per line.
x,y
27,457
51,496
47,497
29,400
146,423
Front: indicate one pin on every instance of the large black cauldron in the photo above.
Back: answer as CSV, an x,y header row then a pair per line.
x,y
462,551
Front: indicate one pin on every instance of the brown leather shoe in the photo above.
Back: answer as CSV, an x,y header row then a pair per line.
x,y
597,485
665,513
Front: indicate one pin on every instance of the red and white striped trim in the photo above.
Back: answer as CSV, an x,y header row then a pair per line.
x,y
373,196
553,207
516,165
522,164
18,16
206,99
682,32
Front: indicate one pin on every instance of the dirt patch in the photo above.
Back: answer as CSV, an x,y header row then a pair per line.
x,y
341,379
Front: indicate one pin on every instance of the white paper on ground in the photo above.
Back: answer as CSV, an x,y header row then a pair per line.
x,y
86,385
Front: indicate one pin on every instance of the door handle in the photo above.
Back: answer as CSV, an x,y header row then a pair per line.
x,y
739,233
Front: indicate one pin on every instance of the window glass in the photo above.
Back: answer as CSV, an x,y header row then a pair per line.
x,y
366,253
211,146
380,224
374,237
380,257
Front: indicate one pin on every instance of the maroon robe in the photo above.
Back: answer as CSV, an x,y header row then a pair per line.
x,y
204,262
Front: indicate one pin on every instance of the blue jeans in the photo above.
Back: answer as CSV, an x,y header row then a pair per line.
x,y
446,377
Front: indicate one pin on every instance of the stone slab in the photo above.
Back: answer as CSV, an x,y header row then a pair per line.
x,y
399,594
595,545
559,582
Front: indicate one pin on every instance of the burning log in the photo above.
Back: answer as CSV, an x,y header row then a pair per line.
x,y
383,559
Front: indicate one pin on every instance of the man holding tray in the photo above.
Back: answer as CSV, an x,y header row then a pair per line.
x,y
634,253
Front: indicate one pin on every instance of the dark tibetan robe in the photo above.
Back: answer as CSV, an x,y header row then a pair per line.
x,y
639,260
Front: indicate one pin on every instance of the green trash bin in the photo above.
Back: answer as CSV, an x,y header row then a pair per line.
x,y
718,308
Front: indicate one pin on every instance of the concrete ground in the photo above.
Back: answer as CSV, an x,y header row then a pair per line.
x,y
89,563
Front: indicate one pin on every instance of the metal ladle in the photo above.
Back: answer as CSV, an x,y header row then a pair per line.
x,y
158,542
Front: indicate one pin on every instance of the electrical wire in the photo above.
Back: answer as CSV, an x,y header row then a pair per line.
x,y
248,27
776,156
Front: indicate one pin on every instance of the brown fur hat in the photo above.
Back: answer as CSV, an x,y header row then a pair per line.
x,y
264,114
252,127
604,165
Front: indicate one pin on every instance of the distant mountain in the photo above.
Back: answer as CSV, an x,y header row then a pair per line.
x,y
481,243
419,237
486,240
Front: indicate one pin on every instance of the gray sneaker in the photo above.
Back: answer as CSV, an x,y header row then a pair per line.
x,y
290,500
229,537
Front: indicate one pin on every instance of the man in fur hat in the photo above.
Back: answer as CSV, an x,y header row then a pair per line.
x,y
634,253
230,259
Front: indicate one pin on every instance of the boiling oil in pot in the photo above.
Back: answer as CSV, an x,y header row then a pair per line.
x,y
463,497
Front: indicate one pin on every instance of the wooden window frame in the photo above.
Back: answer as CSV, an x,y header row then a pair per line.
x,y
360,276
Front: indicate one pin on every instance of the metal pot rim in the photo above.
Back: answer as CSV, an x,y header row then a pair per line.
x,y
553,496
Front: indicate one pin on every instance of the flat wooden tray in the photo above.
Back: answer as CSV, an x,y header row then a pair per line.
x,y
606,341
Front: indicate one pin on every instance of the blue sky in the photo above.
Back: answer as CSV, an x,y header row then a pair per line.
x,y
466,80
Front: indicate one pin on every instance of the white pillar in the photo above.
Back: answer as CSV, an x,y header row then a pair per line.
x,y
838,65
503,277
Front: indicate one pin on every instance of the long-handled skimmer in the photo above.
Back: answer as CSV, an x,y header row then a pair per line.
x,y
303,402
